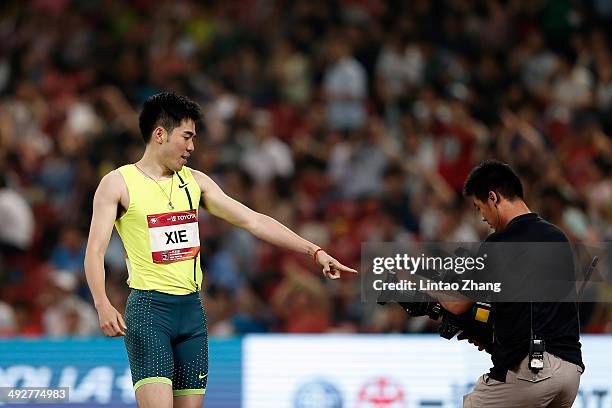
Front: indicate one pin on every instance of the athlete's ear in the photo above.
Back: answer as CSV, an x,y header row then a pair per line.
x,y
158,134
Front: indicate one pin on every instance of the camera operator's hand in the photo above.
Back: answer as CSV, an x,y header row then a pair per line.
x,y
465,336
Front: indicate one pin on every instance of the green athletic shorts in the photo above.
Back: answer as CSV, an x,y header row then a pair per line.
x,y
167,340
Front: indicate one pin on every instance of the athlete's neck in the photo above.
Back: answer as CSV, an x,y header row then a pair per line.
x,y
152,166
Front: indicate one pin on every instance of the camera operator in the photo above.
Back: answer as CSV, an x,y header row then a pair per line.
x,y
535,349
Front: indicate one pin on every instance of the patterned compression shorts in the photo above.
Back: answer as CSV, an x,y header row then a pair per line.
x,y
167,340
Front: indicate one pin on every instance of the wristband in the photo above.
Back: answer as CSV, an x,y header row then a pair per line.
x,y
314,256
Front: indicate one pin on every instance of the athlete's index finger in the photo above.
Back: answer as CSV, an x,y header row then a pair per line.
x,y
344,268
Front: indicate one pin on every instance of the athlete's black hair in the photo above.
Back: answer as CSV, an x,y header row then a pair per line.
x,y
168,110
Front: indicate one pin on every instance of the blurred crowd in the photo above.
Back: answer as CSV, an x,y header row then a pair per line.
x,y
349,121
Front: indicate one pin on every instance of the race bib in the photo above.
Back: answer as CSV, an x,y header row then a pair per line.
x,y
174,236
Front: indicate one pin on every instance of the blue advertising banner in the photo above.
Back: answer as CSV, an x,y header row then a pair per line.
x,y
296,371
97,372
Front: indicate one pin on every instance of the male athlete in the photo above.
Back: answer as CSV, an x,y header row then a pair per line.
x,y
154,205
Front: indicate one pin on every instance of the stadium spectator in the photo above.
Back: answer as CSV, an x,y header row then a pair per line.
x,y
345,87
16,221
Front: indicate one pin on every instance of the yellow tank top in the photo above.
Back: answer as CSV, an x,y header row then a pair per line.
x,y
162,244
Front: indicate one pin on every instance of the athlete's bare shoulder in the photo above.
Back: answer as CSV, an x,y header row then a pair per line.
x,y
204,182
114,188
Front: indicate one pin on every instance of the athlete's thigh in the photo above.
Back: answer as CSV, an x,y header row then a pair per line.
x,y
188,401
191,352
147,338
154,396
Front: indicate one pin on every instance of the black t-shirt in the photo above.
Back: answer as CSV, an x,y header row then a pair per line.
x,y
556,323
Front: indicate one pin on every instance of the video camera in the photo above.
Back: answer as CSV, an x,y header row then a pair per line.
x,y
475,324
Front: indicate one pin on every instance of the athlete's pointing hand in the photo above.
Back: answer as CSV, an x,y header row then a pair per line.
x,y
331,267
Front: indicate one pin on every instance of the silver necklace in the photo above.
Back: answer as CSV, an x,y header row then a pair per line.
x,y
170,206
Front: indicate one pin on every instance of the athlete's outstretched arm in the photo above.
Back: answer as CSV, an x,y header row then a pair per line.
x,y
262,226
105,204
